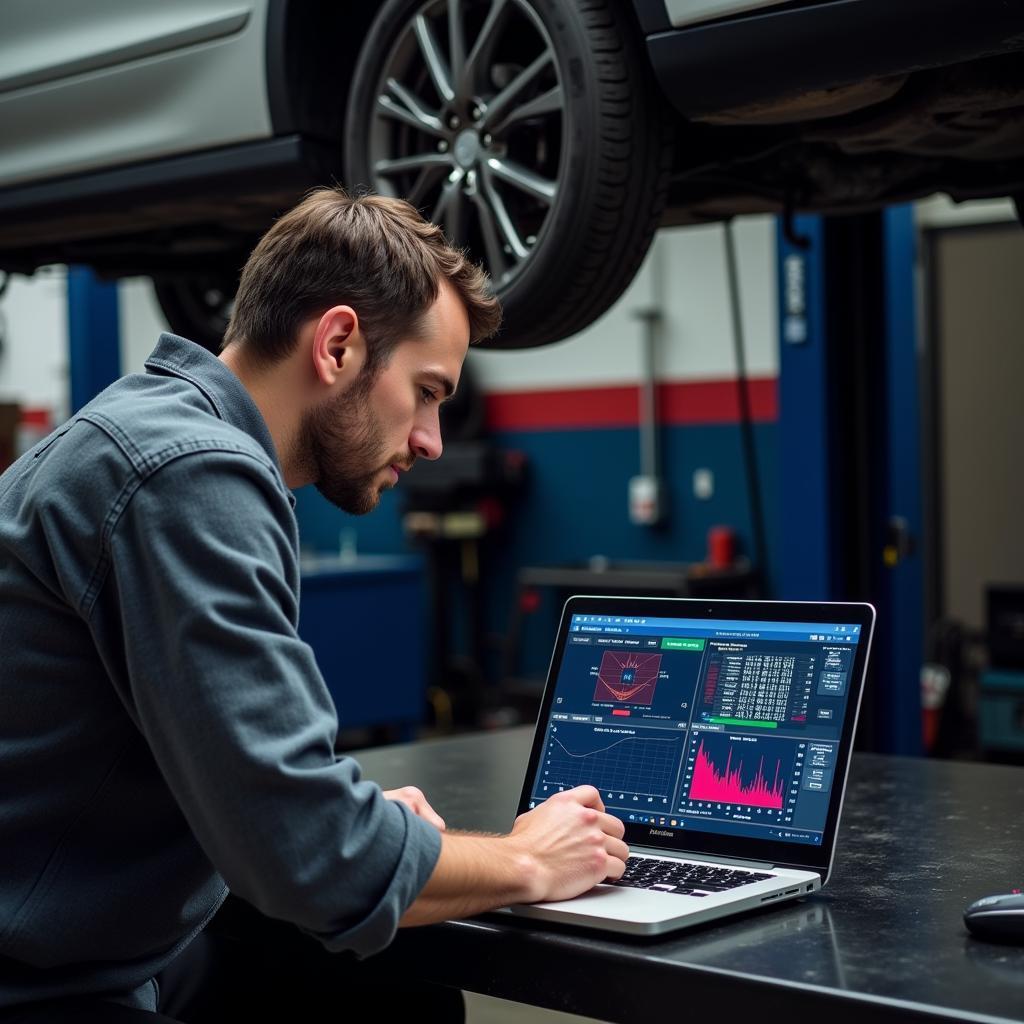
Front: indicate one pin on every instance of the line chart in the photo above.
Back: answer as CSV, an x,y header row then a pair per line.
x,y
627,676
630,766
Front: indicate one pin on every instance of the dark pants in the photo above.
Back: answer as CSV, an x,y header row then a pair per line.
x,y
246,967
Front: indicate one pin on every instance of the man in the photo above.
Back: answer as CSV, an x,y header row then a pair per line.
x,y
165,734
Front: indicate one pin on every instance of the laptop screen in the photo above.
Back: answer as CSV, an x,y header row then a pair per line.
x,y
716,724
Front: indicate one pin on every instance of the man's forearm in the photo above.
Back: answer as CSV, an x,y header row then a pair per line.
x,y
474,873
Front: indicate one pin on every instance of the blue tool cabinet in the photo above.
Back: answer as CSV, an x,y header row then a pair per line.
x,y
366,623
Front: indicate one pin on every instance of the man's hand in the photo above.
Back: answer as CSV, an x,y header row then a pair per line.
x,y
414,799
554,852
573,843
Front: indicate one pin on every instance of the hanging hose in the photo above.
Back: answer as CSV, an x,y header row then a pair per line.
x,y
743,396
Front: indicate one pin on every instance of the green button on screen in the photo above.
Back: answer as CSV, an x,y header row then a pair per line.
x,y
679,643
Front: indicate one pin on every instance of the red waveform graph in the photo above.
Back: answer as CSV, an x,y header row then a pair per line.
x,y
727,785
627,676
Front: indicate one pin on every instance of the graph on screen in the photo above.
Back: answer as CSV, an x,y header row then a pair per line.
x,y
630,767
627,676
752,772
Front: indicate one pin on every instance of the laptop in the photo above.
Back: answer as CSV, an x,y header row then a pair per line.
x,y
720,732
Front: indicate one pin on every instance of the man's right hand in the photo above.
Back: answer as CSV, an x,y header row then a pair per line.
x,y
572,843
554,852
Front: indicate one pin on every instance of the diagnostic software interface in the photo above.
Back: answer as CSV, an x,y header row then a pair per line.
x,y
723,726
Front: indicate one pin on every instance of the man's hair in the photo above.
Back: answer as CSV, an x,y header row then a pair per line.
x,y
373,253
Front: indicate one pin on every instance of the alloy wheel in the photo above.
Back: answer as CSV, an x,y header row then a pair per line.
x,y
468,125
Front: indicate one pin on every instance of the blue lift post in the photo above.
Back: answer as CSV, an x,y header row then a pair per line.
x,y
809,563
815,464
94,337
904,568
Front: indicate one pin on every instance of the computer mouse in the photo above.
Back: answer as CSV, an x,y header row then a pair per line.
x,y
999,918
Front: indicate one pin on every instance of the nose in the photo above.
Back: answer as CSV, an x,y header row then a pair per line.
x,y
425,439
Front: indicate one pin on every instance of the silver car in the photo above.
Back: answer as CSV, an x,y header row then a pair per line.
x,y
549,137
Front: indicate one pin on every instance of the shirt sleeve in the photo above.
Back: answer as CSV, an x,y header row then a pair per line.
x,y
237,715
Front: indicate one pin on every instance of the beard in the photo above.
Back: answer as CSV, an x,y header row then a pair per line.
x,y
345,452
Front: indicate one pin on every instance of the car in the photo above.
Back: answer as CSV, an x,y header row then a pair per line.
x,y
550,138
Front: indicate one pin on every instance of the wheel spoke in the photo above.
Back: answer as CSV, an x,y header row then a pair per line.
x,y
408,109
436,64
501,217
549,102
455,218
497,107
456,41
411,163
496,262
389,108
449,207
483,43
541,189
425,180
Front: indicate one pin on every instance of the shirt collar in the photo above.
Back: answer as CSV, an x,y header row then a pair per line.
x,y
179,357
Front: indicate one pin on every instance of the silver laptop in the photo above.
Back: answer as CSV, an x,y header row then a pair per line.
x,y
720,733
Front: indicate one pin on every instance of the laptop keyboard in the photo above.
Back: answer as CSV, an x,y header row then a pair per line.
x,y
686,879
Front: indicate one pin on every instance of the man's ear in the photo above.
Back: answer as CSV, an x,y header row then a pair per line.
x,y
339,349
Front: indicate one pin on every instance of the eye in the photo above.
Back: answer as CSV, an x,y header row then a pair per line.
x,y
428,395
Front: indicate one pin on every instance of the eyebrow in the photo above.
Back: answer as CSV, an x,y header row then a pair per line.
x,y
445,383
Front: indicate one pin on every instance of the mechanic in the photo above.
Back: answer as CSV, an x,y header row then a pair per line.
x,y
165,734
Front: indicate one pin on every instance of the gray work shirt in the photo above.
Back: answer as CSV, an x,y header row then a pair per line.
x,y
163,729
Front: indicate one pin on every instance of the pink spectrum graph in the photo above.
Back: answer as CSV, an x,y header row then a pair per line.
x,y
727,787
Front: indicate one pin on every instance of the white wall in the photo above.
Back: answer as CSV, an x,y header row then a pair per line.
x,y
697,338
34,330
140,320
942,212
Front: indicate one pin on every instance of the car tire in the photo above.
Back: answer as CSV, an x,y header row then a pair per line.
x,y
198,307
578,158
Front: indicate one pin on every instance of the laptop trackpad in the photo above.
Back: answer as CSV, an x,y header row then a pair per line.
x,y
612,901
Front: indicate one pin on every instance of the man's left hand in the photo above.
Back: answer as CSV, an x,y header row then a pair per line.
x,y
414,799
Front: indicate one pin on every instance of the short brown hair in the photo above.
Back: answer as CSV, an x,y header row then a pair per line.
x,y
373,253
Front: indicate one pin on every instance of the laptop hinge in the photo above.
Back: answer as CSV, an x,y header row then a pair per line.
x,y
703,858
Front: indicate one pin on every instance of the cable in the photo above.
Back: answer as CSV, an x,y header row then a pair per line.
x,y
742,392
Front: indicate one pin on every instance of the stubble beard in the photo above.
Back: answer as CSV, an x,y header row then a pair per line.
x,y
345,453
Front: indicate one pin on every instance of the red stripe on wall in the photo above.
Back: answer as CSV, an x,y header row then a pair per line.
x,y
680,403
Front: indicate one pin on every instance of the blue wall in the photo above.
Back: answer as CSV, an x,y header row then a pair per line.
x,y
575,506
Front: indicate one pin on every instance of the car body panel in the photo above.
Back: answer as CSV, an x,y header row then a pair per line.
x,y
121,81
690,12
141,137
746,62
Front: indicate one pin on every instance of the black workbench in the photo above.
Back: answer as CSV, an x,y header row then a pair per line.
x,y
883,941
